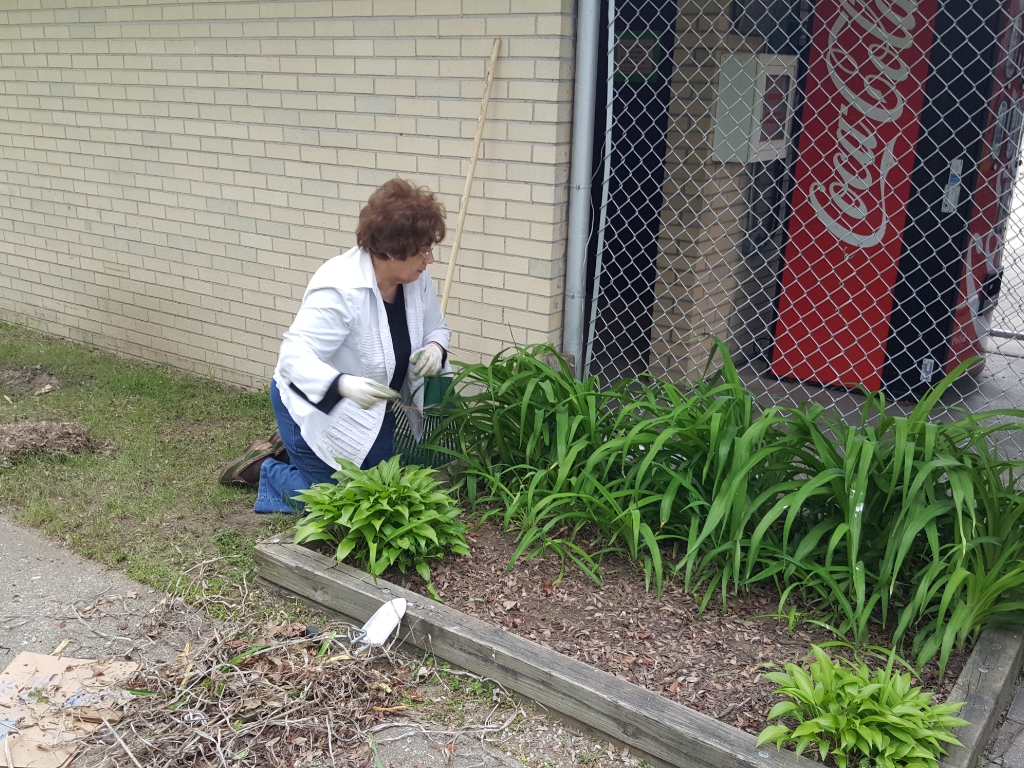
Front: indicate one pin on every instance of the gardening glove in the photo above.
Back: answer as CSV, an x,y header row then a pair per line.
x,y
364,392
426,361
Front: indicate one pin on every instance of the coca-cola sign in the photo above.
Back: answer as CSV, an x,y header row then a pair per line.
x,y
865,90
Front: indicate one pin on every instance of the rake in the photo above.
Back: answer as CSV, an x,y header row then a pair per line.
x,y
436,388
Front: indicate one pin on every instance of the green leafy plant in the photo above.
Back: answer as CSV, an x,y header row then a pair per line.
x,y
629,468
384,516
910,519
909,522
860,717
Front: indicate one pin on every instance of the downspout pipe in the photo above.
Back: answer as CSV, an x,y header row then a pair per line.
x,y
588,21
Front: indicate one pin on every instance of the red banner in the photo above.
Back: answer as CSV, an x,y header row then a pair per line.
x,y
993,191
865,91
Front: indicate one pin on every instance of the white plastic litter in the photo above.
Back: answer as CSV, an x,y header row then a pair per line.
x,y
378,629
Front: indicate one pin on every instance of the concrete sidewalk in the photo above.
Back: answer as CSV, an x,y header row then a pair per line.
x,y
1006,750
49,594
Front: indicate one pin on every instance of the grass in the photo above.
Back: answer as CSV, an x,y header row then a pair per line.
x,y
148,503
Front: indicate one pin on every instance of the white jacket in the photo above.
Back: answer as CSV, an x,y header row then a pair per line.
x,y
342,327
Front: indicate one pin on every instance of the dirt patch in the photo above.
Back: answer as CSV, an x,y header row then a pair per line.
x,y
29,380
712,663
240,517
25,436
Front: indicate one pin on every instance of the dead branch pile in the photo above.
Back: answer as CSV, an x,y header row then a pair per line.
x,y
25,436
271,695
252,696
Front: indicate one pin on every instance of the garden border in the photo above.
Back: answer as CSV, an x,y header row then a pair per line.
x,y
646,721
985,685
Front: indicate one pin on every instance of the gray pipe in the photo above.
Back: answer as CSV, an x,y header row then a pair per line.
x,y
588,20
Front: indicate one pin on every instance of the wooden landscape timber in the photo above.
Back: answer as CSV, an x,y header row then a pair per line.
x,y
664,729
985,686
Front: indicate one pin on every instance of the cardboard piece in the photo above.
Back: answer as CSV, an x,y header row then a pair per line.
x,y
48,702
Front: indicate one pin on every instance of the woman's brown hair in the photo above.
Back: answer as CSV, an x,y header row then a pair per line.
x,y
400,220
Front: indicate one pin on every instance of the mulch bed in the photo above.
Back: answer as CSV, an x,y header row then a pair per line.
x,y
712,663
26,436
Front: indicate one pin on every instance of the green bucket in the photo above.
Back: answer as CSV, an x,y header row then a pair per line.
x,y
436,393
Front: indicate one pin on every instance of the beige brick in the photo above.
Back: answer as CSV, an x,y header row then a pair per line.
x,y
532,320
457,68
381,67
458,27
505,298
438,127
440,87
288,28
415,145
396,86
510,151
373,28
494,313
416,27
395,124
298,65
417,106
484,7
438,7
394,7
237,138
483,277
556,25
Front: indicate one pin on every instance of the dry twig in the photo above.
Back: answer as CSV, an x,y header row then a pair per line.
x,y
254,695
119,741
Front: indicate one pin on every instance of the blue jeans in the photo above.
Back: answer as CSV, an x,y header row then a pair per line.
x,y
279,482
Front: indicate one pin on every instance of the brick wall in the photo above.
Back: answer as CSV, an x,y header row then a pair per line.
x,y
171,173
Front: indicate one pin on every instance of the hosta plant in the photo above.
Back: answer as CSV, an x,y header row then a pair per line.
x,y
861,718
384,516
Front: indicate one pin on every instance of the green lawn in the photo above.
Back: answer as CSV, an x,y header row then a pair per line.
x,y
148,501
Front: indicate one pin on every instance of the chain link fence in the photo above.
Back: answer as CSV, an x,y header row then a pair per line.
x,y
828,186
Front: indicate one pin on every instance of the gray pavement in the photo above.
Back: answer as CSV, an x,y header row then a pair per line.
x,y
1006,749
1009,314
49,594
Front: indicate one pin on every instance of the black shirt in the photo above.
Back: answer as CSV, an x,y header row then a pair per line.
x,y
399,337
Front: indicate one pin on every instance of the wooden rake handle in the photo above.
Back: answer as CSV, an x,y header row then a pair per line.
x,y
469,177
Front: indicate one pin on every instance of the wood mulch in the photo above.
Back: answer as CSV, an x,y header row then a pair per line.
x,y
712,663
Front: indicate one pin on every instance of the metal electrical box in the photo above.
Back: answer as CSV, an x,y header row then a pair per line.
x,y
754,107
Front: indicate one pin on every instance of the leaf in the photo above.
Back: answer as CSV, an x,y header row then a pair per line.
x,y
345,548
861,715
783,709
424,571
775,733
857,520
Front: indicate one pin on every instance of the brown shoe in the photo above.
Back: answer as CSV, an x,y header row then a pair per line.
x,y
279,450
245,470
